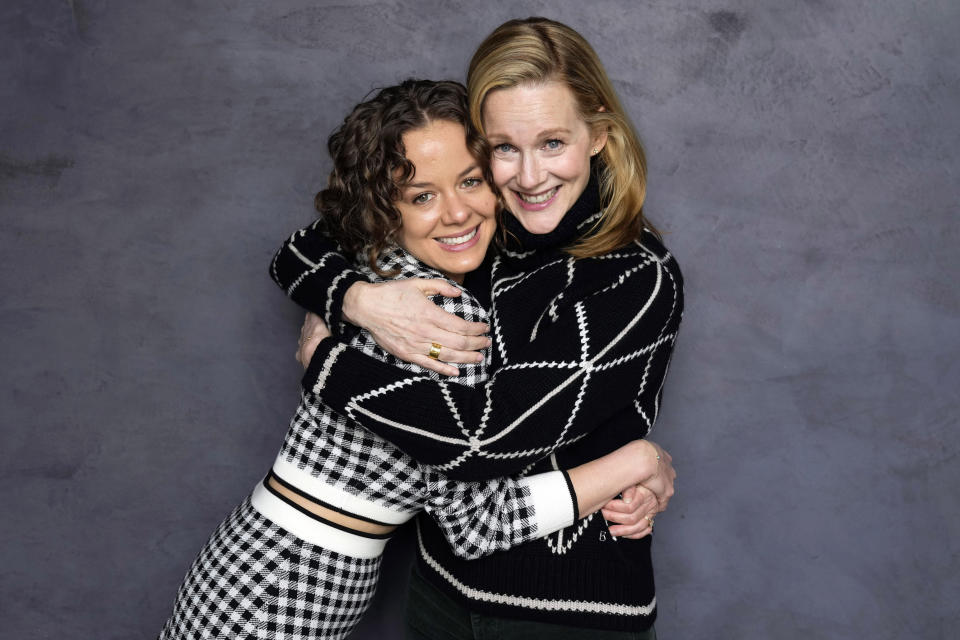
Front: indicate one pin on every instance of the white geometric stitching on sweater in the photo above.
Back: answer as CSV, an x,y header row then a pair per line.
x,y
542,604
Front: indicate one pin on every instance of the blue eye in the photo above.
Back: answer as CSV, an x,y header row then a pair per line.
x,y
554,144
503,148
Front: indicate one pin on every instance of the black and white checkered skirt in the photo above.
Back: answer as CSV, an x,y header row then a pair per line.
x,y
255,580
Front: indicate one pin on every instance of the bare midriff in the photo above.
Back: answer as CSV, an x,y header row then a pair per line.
x,y
329,514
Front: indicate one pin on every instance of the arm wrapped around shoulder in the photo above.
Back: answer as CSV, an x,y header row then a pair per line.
x,y
570,356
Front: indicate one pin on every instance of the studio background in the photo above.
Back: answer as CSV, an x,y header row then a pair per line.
x,y
803,166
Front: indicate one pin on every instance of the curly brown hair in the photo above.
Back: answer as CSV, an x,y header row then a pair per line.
x,y
370,168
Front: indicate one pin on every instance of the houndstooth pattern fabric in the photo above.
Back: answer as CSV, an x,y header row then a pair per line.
x,y
255,581
476,517
352,458
463,514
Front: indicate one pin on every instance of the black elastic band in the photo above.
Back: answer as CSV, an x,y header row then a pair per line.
x,y
319,518
573,494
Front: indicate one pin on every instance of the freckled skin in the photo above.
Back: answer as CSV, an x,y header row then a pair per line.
x,y
540,143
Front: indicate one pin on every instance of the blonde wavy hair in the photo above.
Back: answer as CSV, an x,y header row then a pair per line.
x,y
539,50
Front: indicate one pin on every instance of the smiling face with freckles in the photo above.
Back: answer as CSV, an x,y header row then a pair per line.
x,y
541,151
447,208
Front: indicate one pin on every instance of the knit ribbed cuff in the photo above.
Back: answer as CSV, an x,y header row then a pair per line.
x,y
553,505
315,377
337,291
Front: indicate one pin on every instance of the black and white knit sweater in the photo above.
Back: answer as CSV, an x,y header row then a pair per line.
x,y
581,350
332,461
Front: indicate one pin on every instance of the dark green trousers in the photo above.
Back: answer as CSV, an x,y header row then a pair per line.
x,y
432,615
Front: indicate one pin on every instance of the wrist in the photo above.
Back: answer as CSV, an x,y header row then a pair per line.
x,y
352,309
649,460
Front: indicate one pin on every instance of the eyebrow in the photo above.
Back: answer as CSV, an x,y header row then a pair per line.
x,y
424,185
546,133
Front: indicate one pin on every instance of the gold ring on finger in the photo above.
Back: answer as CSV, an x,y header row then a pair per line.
x,y
434,350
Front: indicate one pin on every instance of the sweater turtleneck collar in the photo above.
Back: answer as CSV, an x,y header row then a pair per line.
x,y
569,229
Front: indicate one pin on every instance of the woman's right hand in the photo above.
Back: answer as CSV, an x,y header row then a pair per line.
x,y
632,515
314,330
662,476
406,323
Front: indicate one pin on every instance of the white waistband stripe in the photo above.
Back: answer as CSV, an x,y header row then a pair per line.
x,y
313,531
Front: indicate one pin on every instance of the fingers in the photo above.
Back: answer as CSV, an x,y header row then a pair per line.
x,y
643,501
435,365
305,350
454,326
621,517
450,352
436,286
633,532
612,513
313,325
313,330
621,507
447,321
642,534
634,525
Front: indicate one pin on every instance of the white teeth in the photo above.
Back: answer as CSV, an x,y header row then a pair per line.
x,y
459,239
537,199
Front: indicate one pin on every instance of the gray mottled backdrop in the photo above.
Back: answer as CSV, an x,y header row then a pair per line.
x,y
804,164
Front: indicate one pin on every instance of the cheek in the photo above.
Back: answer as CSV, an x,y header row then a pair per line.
x,y
575,168
415,228
485,204
502,171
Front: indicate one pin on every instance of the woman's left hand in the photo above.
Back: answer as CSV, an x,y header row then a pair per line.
x,y
631,516
314,330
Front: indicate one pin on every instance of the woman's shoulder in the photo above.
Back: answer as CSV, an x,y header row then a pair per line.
x,y
399,264
648,248
629,275
653,244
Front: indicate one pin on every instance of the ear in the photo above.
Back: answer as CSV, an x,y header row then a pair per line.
x,y
599,142
599,139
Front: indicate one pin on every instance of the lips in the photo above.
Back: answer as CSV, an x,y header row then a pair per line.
x,y
537,201
454,240
539,198
460,242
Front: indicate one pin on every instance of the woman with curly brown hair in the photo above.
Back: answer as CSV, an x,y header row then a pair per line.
x,y
300,557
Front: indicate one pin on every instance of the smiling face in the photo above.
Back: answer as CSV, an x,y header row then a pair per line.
x,y
447,208
541,151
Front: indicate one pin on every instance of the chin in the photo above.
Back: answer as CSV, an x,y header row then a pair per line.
x,y
538,223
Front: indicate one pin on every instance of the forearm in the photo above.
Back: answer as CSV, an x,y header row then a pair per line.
x,y
555,387
461,430
599,481
479,518
311,270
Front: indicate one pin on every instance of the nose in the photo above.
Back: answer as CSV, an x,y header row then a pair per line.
x,y
457,210
529,175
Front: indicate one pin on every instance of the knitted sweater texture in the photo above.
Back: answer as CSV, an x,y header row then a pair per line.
x,y
581,349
